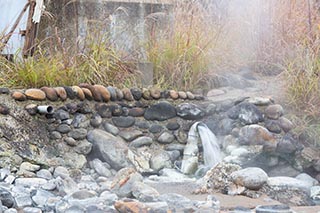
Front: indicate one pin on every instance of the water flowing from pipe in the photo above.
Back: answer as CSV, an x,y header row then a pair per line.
x,y
211,149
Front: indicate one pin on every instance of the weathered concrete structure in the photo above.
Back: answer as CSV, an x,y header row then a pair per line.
x,y
127,23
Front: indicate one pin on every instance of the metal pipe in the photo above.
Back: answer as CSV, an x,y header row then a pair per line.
x,y
45,109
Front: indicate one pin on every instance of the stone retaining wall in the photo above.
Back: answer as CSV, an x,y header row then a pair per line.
x,y
146,128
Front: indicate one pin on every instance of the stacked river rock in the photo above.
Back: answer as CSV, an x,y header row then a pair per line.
x,y
94,148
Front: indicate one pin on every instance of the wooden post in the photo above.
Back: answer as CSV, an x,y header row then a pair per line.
x,y
31,32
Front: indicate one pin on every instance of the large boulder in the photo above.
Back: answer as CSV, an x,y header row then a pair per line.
x,y
256,135
246,112
251,178
109,148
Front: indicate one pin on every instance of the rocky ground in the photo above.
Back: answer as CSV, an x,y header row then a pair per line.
x,y
62,163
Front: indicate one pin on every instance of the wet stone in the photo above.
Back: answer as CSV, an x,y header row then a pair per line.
x,y
160,111
136,112
190,111
113,93
156,128
136,93
246,112
274,111
51,93
78,134
165,94
70,93
19,96
55,135
173,125
4,90
71,141
127,94
273,126
35,94
95,120
141,141
63,128
111,128
123,121
142,124
166,138
6,198
4,110
80,121
61,114
146,94
130,135
155,93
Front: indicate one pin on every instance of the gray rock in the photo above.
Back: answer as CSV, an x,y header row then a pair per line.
x,y
246,112
130,134
71,141
66,186
61,171
315,193
63,128
108,197
136,93
75,160
61,206
125,189
142,124
84,147
190,111
11,211
4,172
274,111
173,125
80,121
177,202
260,101
45,174
181,136
166,138
111,149
124,122
110,128
55,135
273,126
61,114
113,93
31,182
96,120
288,144
41,197
288,182
308,179
256,135
160,111
285,124
155,128
31,210
26,166
160,161
23,201
175,147
78,134
141,141
273,209
6,198
144,192
75,209
101,168
50,186
251,178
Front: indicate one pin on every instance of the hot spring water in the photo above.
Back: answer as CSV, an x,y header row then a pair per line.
x,y
211,149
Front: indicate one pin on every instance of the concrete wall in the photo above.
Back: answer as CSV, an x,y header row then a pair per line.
x,y
126,21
